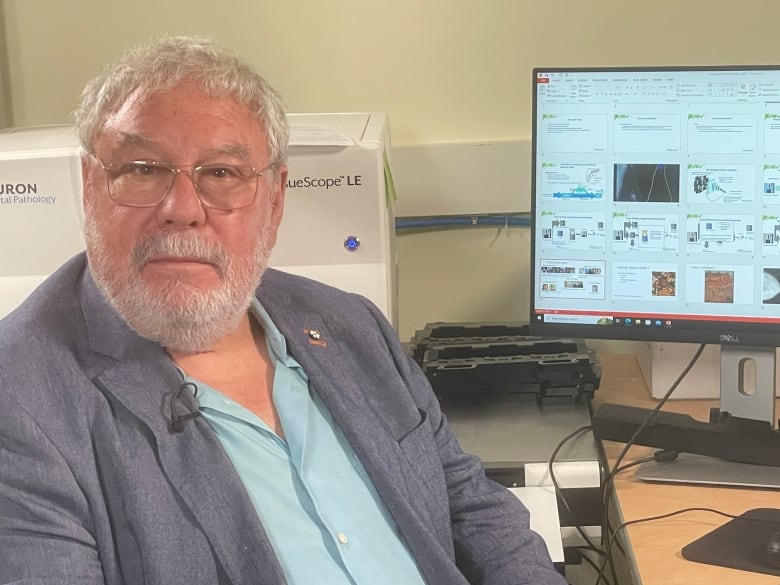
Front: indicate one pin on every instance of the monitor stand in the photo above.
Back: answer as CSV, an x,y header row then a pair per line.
x,y
738,446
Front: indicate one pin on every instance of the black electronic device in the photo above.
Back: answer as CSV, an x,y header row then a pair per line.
x,y
478,362
656,217
466,333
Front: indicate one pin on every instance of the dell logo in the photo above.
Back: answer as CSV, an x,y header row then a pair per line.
x,y
729,338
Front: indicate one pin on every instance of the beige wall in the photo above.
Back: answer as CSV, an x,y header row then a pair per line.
x,y
444,70
438,69
5,102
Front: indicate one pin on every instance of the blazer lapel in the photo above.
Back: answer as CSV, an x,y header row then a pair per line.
x,y
317,348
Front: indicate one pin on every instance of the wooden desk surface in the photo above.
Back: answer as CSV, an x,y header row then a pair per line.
x,y
656,545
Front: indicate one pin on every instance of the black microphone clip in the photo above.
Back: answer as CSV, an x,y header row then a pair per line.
x,y
178,420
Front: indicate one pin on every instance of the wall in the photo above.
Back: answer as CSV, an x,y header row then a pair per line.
x,y
446,71
5,102
439,71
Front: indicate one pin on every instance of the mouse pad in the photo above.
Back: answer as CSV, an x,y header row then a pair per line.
x,y
738,544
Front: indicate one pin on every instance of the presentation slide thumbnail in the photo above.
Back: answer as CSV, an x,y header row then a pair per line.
x,y
571,279
574,181
717,183
727,234
770,235
770,187
772,133
770,291
571,230
721,133
573,133
644,281
719,284
647,132
645,232
647,183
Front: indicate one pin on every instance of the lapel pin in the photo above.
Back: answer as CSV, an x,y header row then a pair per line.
x,y
315,337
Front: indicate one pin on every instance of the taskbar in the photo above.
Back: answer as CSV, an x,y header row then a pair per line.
x,y
656,320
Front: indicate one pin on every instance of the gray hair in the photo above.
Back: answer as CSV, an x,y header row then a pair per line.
x,y
170,61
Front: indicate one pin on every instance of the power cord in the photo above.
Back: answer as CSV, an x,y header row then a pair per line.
x,y
613,536
559,491
590,545
609,480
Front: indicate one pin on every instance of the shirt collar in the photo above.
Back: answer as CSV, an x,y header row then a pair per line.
x,y
275,341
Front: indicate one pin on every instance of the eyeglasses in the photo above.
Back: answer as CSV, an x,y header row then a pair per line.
x,y
141,183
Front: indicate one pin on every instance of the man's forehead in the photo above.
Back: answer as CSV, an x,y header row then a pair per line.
x,y
164,105
124,139
183,124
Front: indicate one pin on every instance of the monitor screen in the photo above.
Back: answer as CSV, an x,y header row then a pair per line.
x,y
656,204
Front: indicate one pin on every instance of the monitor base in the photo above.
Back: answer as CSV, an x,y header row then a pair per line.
x,y
699,469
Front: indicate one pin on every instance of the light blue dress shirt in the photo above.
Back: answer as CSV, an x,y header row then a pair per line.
x,y
322,514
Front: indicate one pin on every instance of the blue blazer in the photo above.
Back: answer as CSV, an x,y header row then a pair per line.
x,y
95,486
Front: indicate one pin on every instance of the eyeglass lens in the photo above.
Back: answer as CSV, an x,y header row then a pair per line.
x,y
147,184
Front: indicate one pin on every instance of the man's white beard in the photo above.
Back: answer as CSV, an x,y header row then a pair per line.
x,y
179,316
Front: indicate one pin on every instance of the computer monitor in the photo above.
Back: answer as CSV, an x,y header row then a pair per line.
x,y
656,217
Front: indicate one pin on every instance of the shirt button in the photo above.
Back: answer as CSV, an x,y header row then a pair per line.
x,y
342,538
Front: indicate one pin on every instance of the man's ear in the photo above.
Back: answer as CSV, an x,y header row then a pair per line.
x,y
278,191
86,170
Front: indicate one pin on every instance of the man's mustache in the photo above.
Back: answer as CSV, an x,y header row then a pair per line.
x,y
183,246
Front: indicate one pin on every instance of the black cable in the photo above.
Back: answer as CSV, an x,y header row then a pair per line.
x,y
662,456
600,577
591,546
559,492
659,456
609,480
648,420
593,565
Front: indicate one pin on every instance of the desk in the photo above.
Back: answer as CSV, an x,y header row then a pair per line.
x,y
654,547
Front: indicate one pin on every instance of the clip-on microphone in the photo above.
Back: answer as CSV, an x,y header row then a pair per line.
x,y
178,420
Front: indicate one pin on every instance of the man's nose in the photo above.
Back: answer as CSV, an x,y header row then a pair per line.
x,y
182,204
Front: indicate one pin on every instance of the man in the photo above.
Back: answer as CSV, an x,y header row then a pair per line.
x,y
174,413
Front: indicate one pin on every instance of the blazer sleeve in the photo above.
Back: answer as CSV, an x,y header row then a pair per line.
x,y
44,536
493,542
